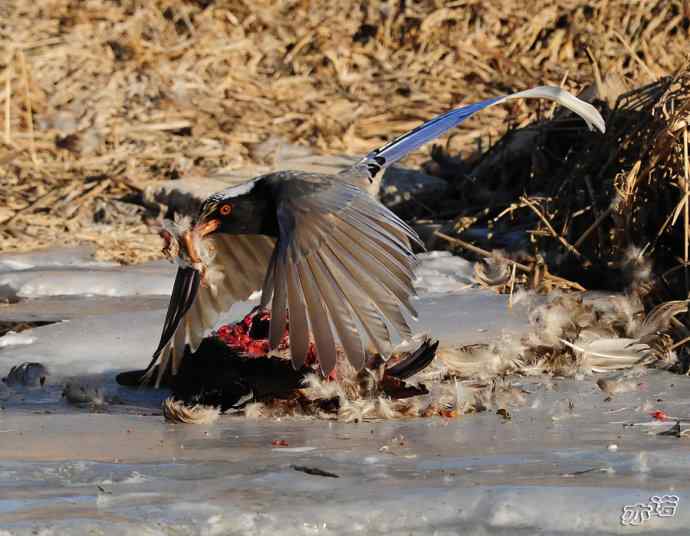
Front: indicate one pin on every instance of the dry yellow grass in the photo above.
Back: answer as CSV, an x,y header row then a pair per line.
x,y
99,97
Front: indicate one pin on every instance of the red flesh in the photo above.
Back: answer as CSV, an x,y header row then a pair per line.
x,y
238,336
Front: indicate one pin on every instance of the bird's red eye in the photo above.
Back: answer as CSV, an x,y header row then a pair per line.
x,y
226,209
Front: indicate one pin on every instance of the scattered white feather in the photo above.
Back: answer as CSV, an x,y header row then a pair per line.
x,y
550,321
606,354
177,412
479,361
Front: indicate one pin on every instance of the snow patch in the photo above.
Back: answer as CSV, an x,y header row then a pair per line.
x,y
441,272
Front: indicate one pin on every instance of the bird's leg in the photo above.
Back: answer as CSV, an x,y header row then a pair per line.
x,y
198,232
197,264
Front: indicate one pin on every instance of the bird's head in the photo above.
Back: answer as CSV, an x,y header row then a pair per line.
x,y
242,209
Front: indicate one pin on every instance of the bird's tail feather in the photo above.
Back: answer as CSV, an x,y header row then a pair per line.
x,y
395,150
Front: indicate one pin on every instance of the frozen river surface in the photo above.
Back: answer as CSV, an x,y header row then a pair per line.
x,y
566,462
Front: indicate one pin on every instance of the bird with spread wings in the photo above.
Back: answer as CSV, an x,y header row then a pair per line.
x,y
329,259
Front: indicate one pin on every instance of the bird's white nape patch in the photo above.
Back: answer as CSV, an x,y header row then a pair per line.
x,y
233,191
236,191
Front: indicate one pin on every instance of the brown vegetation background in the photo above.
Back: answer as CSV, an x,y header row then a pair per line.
x,y
99,98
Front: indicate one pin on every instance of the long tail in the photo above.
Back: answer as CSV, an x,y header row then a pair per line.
x,y
393,151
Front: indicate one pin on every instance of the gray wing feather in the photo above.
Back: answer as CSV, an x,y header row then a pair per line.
x,y
347,257
388,272
339,311
279,305
393,245
267,289
299,327
318,319
311,235
363,271
363,306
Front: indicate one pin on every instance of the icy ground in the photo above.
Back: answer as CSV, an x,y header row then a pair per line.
x,y
564,463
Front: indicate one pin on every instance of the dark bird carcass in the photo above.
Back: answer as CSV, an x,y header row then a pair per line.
x,y
330,260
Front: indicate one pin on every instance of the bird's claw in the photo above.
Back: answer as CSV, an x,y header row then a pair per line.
x,y
171,247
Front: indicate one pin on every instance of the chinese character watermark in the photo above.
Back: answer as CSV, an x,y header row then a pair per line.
x,y
658,506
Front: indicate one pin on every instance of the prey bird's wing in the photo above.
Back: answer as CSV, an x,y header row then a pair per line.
x,y
343,267
236,270
395,150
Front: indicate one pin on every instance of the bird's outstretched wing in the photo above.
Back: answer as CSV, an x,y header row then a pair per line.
x,y
236,270
342,266
395,150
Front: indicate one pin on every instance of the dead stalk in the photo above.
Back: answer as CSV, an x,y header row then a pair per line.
x,y
8,98
686,218
553,232
27,103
